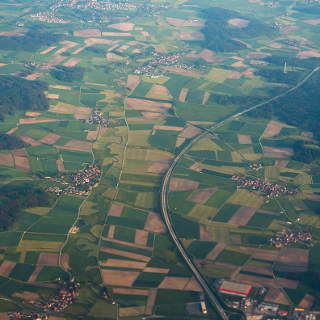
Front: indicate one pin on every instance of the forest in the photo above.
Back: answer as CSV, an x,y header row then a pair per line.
x,y
8,142
220,35
14,198
67,74
20,94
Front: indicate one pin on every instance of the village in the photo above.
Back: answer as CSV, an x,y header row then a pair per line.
x,y
266,188
97,117
285,238
56,303
81,182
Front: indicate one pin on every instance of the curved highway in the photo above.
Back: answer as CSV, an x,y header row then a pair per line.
x,y
211,294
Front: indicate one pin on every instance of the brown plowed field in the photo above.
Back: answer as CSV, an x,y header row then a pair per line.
x,y
60,165
183,94
270,255
122,26
158,167
176,283
126,254
6,160
212,255
307,302
77,145
35,121
147,105
154,223
133,81
178,184
205,235
111,231
115,209
206,97
58,86
48,259
13,130
202,196
156,270
244,139
6,267
30,141
22,163
92,135
50,138
133,292
276,295
117,263
191,35
72,62
119,278
141,237
128,244
86,33
190,132
242,216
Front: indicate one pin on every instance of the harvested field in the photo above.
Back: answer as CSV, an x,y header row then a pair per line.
x,y
141,237
151,301
180,141
206,97
154,223
111,231
47,50
127,244
205,235
281,163
168,128
68,45
191,35
202,196
244,139
206,55
133,292
292,260
54,61
140,104
6,267
50,138
36,121
65,259
126,254
71,62
190,132
112,57
119,278
276,295
239,64
307,302
13,130
308,54
158,167
175,283
178,70
213,254
262,254
4,316
22,163
313,22
151,115
133,81
86,33
65,108
58,86
193,285
205,123
239,23
35,274
183,94
273,129
92,135
33,76
242,216
123,26
32,114
77,51
270,152
160,92
60,165
178,184
116,34
258,62
117,263
156,270
77,145
48,259
115,209
53,96
6,160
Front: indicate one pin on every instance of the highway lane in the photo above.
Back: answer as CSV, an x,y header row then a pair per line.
x,y
211,294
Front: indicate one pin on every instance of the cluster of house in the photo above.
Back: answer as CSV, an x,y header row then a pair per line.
x,y
97,117
284,238
82,182
255,166
266,188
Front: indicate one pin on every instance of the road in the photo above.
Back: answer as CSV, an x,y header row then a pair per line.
x,y
210,292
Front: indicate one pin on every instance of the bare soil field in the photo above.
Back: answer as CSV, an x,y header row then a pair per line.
x,y
206,55
193,285
92,41
158,91
47,50
141,237
133,292
270,152
140,104
239,23
178,184
242,216
183,94
212,255
113,57
60,165
308,54
313,22
65,108
86,33
6,267
119,278
281,163
6,160
71,62
30,141
111,231
206,97
133,81
123,26
292,260
307,302
32,114
244,139
33,76
276,295
58,86
151,301
19,153
77,145
4,316
48,259
53,96
273,129
156,270
270,255
289,29
180,141
205,235
92,135
158,167
202,196
65,259
126,254
190,132
258,55
27,295
116,34
115,209
261,270
168,128
54,61
154,223
258,62
13,130
35,121
117,263
50,138
202,122
175,283
151,115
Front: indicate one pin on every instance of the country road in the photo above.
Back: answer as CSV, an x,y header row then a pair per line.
x,y
210,292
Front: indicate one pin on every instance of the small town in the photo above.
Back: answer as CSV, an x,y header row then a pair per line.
x,y
266,188
82,182
97,117
285,238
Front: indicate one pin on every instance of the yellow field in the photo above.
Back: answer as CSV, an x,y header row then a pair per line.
x,y
139,138
271,173
206,144
303,178
145,200
87,208
218,75
158,80
245,198
134,166
224,169
202,212
131,311
310,220
34,245
150,154
38,210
